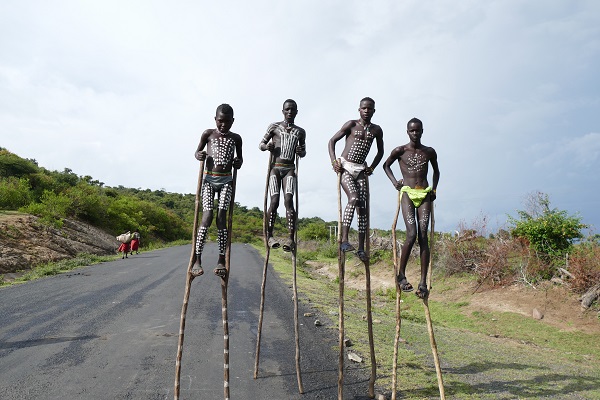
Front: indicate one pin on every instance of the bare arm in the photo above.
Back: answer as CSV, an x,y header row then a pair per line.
x,y
239,159
379,155
343,132
387,167
301,148
266,143
436,172
200,154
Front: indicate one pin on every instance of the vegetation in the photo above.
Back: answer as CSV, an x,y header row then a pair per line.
x,y
487,355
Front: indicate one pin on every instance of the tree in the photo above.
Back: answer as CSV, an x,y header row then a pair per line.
x,y
550,232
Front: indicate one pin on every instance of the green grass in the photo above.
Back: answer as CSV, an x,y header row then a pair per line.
x,y
484,355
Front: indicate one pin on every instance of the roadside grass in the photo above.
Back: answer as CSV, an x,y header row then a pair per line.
x,y
57,267
484,355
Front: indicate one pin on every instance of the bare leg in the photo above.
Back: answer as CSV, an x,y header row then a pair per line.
x,y
423,213
408,213
351,190
290,212
208,195
274,188
362,217
222,233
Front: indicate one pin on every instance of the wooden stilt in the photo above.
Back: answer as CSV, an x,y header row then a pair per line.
x,y
188,282
398,301
224,284
368,293
436,359
264,277
295,287
341,273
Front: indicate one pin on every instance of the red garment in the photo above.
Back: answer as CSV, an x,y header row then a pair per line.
x,y
124,248
135,244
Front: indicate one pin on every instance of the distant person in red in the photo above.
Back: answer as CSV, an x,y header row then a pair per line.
x,y
125,239
135,242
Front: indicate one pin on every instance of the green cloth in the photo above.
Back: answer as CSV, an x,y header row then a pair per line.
x,y
416,195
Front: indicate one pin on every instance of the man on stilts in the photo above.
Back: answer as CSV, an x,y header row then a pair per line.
x,y
284,140
224,152
359,135
417,199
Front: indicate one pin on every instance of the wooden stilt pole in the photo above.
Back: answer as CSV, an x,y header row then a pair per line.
x,y
436,359
398,300
341,273
368,290
224,284
264,277
295,287
188,282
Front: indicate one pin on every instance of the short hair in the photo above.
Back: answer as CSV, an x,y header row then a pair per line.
x,y
368,99
290,101
414,120
225,109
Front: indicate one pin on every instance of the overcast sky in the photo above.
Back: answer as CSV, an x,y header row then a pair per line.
x,y
508,91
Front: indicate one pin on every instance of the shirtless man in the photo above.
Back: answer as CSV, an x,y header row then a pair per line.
x,y
221,144
417,199
359,135
284,140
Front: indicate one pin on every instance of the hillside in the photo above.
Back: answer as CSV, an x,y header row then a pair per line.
x,y
24,242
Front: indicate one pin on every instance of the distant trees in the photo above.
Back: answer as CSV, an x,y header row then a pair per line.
x,y
54,195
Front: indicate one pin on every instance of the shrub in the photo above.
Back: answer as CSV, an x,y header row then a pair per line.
x,y
550,232
14,193
52,209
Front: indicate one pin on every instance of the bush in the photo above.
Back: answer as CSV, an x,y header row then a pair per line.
x,y
550,232
314,231
14,193
52,209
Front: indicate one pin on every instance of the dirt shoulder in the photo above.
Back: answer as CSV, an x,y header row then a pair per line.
x,y
555,303
25,242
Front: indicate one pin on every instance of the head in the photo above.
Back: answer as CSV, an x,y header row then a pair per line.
x,y
414,128
366,109
224,118
290,110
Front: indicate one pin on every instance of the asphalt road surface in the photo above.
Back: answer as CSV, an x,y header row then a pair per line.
x,y
110,331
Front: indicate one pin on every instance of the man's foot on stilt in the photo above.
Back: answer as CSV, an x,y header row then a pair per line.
x,y
422,292
221,271
196,270
273,243
346,246
405,286
362,256
288,245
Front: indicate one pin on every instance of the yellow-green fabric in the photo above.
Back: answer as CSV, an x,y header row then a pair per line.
x,y
416,195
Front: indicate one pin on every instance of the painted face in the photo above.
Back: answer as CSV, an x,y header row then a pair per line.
x,y
290,110
366,110
415,131
224,122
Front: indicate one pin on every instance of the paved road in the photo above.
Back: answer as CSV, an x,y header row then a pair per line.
x,y
109,331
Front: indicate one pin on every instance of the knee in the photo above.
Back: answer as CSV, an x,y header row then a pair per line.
x,y
411,237
289,203
274,202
